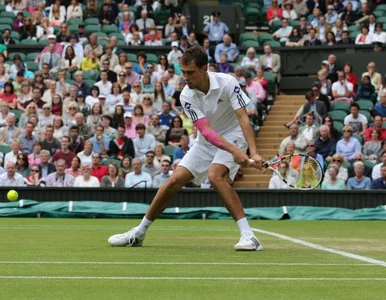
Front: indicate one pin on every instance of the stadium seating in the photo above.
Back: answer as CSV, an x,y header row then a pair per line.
x,y
341,105
337,115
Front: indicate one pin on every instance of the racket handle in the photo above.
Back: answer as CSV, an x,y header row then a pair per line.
x,y
264,163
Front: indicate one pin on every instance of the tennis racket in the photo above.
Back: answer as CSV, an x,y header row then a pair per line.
x,y
298,171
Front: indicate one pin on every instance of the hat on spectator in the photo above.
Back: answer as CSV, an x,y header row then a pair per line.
x,y
242,83
128,115
174,44
288,3
79,94
325,62
216,14
330,7
52,36
102,97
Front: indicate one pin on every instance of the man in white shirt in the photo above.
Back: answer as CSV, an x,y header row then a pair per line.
x,y
216,105
86,180
296,137
138,178
357,121
143,142
12,155
283,33
377,168
309,130
342,89
104,85
153,41
11,178
277,183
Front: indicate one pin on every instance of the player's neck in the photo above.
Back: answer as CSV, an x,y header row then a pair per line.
x,y
204,85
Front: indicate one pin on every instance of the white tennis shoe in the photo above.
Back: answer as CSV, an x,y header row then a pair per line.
x,y
129,238
248,242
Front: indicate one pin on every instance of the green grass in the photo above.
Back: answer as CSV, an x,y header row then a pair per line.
x,y
179,242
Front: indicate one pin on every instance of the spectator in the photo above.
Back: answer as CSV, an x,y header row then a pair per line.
x,y
312,152
342,90
331,15
144,23
380,183
153,41
144,6
122,145
380,108
159,151
333,182
377,125
34,157
322,29
359,157
216,29
313,19
289,13
85,156
28,139
299,140
226,47
138,178
376,78
350,76
295,39
94,46
13,154
184,29
37,98
224,66
283,33
112,179
64,35
271,62
50,143
274,13
106,16
131,77
35,178
254,87
309,130
376,173
175,132
276,182
6,38
348,145
359,182
366,90
349,16
312,39
59,178
130,131
155,129
9,96
30,111
338,160
169,27
165,115
64,153
86,180
104,85
250,62
325,145
355,120
125,167
330,39
160,179
45,166
150,167
345,40
59,129
143,142
11,178
163,64
175,54
28,31
74,10
74,169
91,10
324,83
363,38
22,165
98,170
379,35
180,152
101,142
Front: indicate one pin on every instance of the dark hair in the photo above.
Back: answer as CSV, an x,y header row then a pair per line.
x,y
8,83
106,117
126,156
345,31
196,55
150,152
67,137
115,84
95,88
355,105
309,95
73,53
116,167
140,126
141,54
74,127
25,160
172,121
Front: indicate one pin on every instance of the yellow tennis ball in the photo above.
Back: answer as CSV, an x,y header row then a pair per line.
x,y
12,195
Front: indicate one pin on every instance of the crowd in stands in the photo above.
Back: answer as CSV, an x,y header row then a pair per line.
x,y
83,112
342,125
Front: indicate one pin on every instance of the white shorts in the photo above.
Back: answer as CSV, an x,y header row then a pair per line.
x,y
201,156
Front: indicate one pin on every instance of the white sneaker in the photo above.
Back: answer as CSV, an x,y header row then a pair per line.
x,y
248,242
129,238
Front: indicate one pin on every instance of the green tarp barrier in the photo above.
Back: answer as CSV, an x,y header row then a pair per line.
x,y
95,209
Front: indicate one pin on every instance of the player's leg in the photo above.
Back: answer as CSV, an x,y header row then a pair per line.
x,y
162,199
219,176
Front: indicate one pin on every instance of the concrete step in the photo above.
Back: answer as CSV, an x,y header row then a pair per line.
x,y
250,185
273,135
270,146
262,140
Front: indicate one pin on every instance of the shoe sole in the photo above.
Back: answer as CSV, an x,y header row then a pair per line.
x,y
260,248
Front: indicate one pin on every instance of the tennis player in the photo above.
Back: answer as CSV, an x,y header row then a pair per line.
x,y
216,105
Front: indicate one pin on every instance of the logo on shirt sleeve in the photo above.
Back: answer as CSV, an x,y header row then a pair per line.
x,y
187,105
236,89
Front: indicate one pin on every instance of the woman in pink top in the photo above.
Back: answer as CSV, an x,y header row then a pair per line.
x,y
139,116
34,157
75,167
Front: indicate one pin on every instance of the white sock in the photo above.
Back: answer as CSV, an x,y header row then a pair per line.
x,y
144,226
243,225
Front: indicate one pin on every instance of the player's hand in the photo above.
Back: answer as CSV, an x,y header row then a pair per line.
x,y
241,158
257,161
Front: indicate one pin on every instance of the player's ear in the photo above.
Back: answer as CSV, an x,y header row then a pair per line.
x,y
205,68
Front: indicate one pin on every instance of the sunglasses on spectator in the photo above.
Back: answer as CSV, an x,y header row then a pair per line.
x,y
72,108
358,159
150,156
35,171
337,160
310,145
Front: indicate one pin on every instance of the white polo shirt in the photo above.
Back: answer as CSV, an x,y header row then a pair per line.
x,y
218,105
340,89
104,88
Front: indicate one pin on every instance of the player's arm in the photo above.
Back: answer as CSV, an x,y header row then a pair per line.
x,y
217,140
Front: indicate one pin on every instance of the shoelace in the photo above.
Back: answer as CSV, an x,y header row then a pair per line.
x,y
130,235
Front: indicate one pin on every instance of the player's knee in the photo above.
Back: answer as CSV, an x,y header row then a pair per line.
x,y
175,183
215,178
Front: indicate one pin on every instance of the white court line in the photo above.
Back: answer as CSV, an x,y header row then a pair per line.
x,y
322,248
173,263
196,278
